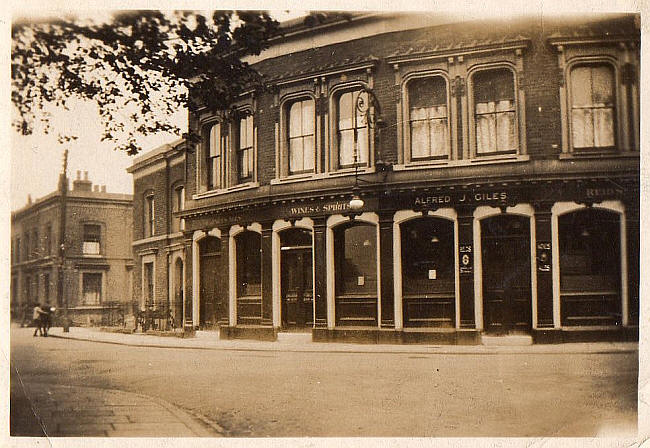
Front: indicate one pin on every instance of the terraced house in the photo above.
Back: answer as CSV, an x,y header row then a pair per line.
x,y
412,178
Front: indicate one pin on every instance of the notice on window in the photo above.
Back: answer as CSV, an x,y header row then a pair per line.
x,y
432,274
361,280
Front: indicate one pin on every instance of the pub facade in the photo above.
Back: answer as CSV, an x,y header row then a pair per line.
x,y
413,179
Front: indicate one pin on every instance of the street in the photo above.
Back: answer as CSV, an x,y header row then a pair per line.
x,y
278,394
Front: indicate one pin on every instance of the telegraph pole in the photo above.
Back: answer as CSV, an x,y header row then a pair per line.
x,y
63,187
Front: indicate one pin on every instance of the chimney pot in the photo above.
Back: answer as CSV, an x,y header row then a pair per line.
x,y
85,175
78,174
103,188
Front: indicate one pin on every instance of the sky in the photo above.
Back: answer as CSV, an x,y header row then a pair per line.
x,y
36,160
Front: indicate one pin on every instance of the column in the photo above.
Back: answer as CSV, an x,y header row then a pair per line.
x,y
267,273
386,269
320,273
189,275
466,265
543,253
633,235
223,305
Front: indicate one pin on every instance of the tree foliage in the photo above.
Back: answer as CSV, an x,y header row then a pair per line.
x,y
137,67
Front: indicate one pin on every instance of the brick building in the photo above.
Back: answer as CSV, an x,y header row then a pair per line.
x,y
97,250
159,191
413,178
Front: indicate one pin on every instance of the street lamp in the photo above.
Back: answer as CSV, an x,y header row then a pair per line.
x,y
368,107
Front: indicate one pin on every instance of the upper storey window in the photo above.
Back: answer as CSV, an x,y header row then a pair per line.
x,y
178,204
300,133
92,239
149,215
428,118
593,106
494,111
217,148
245,152
352,129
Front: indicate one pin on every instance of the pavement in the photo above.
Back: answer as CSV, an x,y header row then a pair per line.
x,y
301,342
50,410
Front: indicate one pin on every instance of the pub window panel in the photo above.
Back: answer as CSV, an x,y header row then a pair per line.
x,y
590,267
178,203
149,216
92,288
593,107
92,239
495,111
428,256
300,132
352,129
217,147
356,257
249,264
428,118
245,153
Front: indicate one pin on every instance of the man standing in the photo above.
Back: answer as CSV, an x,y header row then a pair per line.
x,y
36,316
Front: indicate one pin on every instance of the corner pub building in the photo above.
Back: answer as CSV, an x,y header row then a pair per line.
x,y
411,178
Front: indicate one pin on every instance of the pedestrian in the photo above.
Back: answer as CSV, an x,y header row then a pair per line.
x,y
36,316
46,318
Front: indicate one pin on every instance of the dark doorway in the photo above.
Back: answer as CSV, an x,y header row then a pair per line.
x,y
297,311
177,309
210,269
505,241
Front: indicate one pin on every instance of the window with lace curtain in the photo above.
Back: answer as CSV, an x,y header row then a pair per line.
x,y
428,118
495,112
245,153
215,157
592,107
300,135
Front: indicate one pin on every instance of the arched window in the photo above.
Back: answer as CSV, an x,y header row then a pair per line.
x,y
593,106
590,258
494,111
178,203
428,119
215,156
245,149
352,129
300,134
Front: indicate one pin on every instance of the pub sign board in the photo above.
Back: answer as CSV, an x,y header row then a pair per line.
x,y
466,260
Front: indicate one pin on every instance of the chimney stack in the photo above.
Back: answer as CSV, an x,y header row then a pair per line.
x,y
103,188
29,199
82,185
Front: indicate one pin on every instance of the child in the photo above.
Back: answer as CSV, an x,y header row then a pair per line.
x,y
36,316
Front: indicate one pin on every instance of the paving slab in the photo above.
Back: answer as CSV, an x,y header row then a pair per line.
x,y
39,410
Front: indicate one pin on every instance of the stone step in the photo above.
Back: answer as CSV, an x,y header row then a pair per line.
x,y
507,340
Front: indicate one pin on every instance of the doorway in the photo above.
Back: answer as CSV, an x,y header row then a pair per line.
x,y
505,242
209,271
297,306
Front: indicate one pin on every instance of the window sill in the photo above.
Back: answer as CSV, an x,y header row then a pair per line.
x,y
351,172
296,178
600,155
92,255
486,160
234,188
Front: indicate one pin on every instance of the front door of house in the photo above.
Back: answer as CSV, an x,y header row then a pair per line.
x,y
297,296
505,242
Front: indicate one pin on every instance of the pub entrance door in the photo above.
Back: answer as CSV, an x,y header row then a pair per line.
x,y
505,243
296,309
209,270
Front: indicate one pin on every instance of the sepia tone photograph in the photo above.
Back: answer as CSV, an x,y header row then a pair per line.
x,y
333,226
